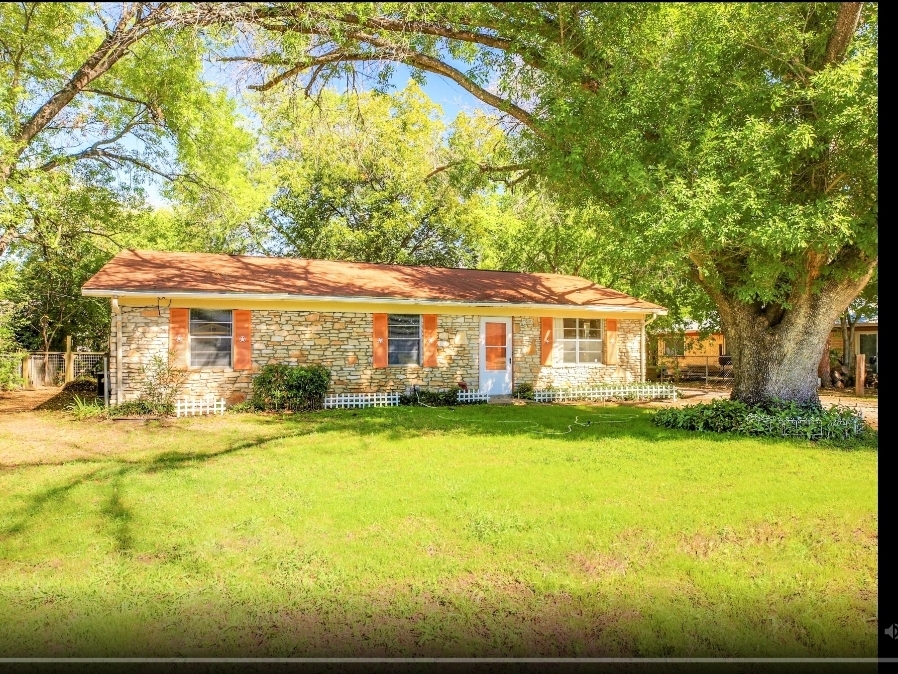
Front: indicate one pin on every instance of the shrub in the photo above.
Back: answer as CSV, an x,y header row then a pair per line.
x,y
524,391
9,372
719,416
772,419
242,408
290,388
131,408
160,383
433,398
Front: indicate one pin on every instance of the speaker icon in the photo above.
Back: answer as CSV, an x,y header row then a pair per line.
x,y
892,631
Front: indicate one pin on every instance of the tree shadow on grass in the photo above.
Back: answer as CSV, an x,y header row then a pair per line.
x,y
565,423
562,423
114,509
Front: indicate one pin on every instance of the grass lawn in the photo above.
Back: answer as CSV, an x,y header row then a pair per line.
x,y
410,531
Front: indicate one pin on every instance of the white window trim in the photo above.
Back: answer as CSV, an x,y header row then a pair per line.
x,y
558,349
420,342
209,368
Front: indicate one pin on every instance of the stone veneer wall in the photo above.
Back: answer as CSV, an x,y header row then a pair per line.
x,y
144,334
342,342
529,369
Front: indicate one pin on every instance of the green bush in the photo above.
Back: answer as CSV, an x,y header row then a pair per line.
x,y
290,388
773,419
160,383
523,391
243,408
433,398
131,408
719,416
9,372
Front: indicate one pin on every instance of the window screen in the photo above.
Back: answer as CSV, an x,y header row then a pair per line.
x,y
210,337
404,339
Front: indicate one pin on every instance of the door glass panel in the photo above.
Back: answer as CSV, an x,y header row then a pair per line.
x,y
495,349
495,334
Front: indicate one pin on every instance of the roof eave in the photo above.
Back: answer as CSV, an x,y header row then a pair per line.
x,y
274,297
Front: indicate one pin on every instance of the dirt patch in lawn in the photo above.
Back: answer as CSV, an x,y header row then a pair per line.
x,y
12,402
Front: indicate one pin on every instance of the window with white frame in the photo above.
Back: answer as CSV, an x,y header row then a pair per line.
x,y
210,337
580,340
404,339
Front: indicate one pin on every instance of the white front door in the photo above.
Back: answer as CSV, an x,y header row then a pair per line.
x,y
495,355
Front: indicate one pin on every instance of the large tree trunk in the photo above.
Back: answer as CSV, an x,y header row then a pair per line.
x,y
776,350
775,362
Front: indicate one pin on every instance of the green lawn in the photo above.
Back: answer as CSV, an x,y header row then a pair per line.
x,y
412,531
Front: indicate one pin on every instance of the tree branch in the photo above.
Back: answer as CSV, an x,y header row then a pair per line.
x,y
387,51
484,168
120,97
331,57
132,26
95,149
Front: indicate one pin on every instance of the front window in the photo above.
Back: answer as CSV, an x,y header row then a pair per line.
x,y
210,337
581,340
404,339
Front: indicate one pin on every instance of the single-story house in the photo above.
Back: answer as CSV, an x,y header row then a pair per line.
x,y
377,327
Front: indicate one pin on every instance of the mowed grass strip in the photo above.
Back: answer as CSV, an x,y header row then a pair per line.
x,y
481,530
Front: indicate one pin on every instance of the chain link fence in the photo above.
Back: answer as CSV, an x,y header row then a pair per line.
x,y
707,370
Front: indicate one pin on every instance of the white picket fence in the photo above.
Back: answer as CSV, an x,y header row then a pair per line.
x,y
472,396
619,391
813,429
191,407
355,400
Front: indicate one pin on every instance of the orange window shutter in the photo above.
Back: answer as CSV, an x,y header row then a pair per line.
x,y
243,340
611,355
546,339
380,340
430,340
178,334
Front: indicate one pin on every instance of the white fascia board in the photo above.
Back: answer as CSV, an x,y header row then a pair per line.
x,y
280,297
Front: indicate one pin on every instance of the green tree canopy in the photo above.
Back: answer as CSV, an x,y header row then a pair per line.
x,y
739,140
112,95
376,178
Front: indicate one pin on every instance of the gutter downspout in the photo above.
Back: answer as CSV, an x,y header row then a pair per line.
x,y
117,310
642,359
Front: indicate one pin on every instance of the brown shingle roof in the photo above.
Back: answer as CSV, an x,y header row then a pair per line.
x,y
161,273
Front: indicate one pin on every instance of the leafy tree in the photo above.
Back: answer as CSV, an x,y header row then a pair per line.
x,y
112,95
530,231
739,139
49,264
375,178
